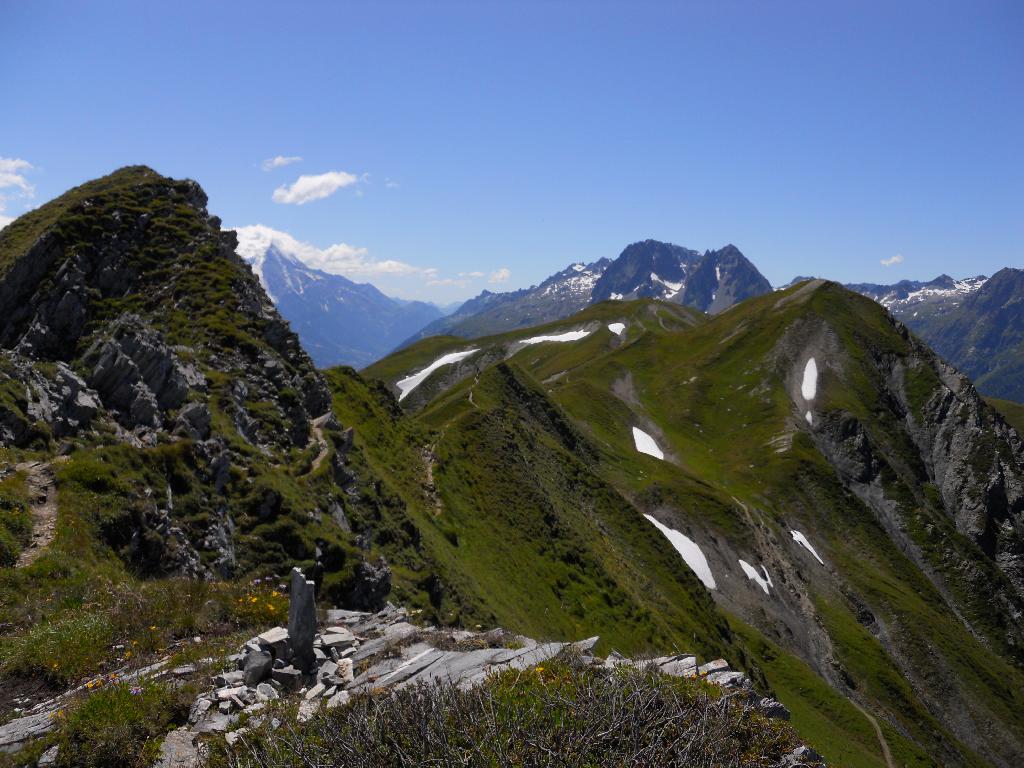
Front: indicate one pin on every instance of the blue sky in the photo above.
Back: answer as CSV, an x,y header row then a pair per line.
x,y
474,141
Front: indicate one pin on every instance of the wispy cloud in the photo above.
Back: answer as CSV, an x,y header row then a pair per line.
x,y
339,259
892,260
12,177
391,184
280,161
305,189
500,275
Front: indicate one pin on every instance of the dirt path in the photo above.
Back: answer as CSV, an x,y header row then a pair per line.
x,y
42,488
318,435
878,732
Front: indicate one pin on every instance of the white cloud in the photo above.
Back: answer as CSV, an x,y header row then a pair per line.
x,y
308,188
12,177
391,184
500,275
279,161
461,282
471,274
339,259
897,259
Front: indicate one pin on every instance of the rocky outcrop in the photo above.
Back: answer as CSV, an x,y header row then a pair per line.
x,y
137,375
371,585
53,395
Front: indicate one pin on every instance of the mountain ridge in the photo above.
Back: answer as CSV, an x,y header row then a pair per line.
x,y
645,269
340,321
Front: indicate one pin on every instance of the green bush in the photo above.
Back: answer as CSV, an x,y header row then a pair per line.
x,y
122,725
62,649
563,713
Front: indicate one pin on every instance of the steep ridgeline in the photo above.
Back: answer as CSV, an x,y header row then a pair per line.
x,y
711,282
845,498
561,295
976,323
339,322
197,437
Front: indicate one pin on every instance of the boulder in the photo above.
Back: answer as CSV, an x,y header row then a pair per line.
x,y
256,667
290,678
266,692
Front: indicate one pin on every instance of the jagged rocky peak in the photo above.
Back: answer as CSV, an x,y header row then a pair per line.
x,y
712,281
131,287
647,269
132,322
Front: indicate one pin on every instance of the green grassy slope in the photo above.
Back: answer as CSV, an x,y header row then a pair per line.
x,y
1011,411
879,620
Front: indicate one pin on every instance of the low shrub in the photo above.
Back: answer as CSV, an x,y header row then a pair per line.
x,y
121,725
559,714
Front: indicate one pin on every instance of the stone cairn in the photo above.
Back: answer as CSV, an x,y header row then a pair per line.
x,y
357,652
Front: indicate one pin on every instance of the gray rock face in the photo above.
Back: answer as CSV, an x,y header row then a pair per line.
x,y
302,620
371,585
137,375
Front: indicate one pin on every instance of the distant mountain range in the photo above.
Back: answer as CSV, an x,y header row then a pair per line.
x,y
338,320
976,323
711,282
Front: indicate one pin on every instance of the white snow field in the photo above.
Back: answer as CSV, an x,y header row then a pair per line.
x,y
567,336
617,328
692,554
809,387
753,575
410,383
646,444
800,539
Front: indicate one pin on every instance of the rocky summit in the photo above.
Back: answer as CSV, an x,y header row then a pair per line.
x,y
789,529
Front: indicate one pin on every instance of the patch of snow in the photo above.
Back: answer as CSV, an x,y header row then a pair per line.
x,y
674,287
690,551
800,539
718,278
616,296
809,388
753,575
578,267
410,383
646,444
567,336
810,418
617,328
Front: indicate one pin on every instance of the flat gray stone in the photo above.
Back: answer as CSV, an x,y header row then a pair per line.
x,y
272,636
340,616
16,733
338,699
718,665
49,757
180,750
